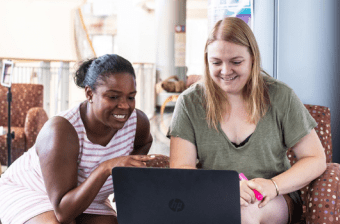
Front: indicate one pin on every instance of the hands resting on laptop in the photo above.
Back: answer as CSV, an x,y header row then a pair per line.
x,y
130,161
153,160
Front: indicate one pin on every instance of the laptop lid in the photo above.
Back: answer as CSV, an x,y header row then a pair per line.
x,y
168,196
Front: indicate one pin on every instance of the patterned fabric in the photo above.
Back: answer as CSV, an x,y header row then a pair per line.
x,y
35,120
25,121
322,203
23,194
160,161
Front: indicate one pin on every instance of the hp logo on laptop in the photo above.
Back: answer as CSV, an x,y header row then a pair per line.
x,y
176,205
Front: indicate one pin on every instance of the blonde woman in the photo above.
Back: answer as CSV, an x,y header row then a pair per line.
x,y
239,118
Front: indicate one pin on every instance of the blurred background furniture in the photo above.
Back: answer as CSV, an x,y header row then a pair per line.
x,y
321,198
172,98
27,118
190,80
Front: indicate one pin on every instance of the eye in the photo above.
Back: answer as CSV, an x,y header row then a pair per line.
x,y
237,62
215,62
114,97
131,98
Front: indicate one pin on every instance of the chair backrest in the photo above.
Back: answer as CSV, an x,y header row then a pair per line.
x,y
24,97
322,116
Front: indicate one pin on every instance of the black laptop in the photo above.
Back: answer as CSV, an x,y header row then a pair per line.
x,y
176,196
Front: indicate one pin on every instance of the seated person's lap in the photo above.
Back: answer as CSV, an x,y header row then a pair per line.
x,y
49,217
281,209
92,219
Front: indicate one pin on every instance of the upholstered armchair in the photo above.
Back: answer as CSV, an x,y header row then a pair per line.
x,y
321,200
27,118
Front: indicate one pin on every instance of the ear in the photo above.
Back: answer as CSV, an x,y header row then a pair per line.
x,y
88,93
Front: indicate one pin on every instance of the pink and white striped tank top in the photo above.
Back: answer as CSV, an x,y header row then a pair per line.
x,y
22,190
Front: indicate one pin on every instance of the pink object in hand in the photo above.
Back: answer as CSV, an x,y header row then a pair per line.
x,y
258,195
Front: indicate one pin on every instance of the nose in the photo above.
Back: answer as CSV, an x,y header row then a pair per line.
x,y
226,69
123,104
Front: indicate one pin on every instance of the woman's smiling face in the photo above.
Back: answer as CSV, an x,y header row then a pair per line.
x,y
114,100
229,65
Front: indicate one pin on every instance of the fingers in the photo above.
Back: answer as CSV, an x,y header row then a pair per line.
x,y
138,160
256,188
246,193
243,202
248,197
143,158
265,187
264,202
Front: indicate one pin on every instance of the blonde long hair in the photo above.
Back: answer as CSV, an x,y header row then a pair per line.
x,y
255,92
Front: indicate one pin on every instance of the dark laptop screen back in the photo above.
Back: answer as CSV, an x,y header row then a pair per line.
x,y
155,195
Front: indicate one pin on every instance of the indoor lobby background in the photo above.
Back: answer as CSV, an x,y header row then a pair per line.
x,y
299,43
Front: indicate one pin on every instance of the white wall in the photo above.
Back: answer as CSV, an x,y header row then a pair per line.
x,y
33,29
309,55
263,29
135,39
197,34
136,36
308,51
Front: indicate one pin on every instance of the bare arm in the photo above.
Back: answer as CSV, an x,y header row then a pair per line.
x,y
183,153
310,165
58,148
143,139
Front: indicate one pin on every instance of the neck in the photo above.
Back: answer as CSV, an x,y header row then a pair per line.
x,y
235,100
92,126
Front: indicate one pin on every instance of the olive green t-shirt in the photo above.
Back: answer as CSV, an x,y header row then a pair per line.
x,y
264,155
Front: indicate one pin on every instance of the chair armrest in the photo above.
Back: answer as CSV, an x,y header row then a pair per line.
x,y
323,199
160,161
35,119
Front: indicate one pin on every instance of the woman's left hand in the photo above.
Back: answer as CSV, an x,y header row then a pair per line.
x,y
265,187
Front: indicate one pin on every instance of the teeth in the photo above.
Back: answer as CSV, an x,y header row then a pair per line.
x,y
119,116
226,79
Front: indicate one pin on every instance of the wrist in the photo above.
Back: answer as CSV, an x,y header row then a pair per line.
x,y
276,187
105,168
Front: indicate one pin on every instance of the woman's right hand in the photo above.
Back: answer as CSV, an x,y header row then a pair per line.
x,y
247,195
128,161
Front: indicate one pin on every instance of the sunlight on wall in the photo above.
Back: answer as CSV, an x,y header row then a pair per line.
x,y
37,29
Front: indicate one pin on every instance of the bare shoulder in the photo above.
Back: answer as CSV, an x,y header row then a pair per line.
x,y
142,119
143,125
57,133
143,139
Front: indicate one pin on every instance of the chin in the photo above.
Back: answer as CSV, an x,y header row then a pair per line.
x,y
118,126
233,92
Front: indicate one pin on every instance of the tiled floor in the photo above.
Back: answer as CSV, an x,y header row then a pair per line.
x,y
159,127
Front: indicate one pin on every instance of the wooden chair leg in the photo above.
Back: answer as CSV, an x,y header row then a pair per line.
x,y
172,98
